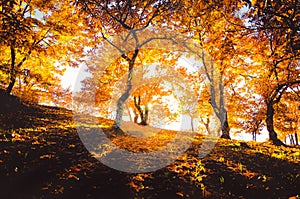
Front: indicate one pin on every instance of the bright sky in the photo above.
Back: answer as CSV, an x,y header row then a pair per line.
x,y
69,79
73,76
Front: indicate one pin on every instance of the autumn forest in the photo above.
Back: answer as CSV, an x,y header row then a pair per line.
x,y
171,99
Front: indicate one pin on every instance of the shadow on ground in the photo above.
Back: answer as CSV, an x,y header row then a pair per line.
x,y
42,156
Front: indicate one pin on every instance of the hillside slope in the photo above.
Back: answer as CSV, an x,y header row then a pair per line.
x,y
42,156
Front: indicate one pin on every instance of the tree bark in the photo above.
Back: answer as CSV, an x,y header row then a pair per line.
x,y
12,78
291,139
14,67
192,123
285,139
121,101
254,135
270,125
143,116
296,139
118,120
225,127
136,117
146,113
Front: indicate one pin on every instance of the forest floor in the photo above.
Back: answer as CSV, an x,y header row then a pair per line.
x,y
42,156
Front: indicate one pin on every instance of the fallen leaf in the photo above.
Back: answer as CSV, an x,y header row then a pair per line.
x,y
73,176
76,169
180,194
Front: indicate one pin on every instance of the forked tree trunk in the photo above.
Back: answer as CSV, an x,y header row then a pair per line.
x,y
142,114
275,97
206,124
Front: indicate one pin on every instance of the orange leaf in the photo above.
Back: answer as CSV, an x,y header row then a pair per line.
x,y
180,194
76,169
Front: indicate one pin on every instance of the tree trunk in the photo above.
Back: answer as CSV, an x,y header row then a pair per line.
x,y
146,113
118,121
291,139
254,135
296,139
206,124
12,82
121,101
225,127
143,116
285,139
192,123
136,117
270,125
130,116
12,78
14,67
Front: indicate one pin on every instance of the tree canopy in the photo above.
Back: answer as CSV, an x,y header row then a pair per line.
x,y
253,47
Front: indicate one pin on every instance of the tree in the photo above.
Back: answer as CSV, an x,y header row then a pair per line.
x,y
214,33
36,36
132,17
286,116
143,114
155,80
276,27
261,56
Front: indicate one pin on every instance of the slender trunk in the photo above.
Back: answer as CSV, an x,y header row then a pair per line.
x,y
146,113
296,139
225,127
143,116
12,78
118,120
11,85
285,139
137,104
270,125
192,123
206,124
291,139
130,116
136,117
254,135
256,129
120,103
14,67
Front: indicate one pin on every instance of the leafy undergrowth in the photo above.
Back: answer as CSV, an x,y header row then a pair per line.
x,y
42,156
